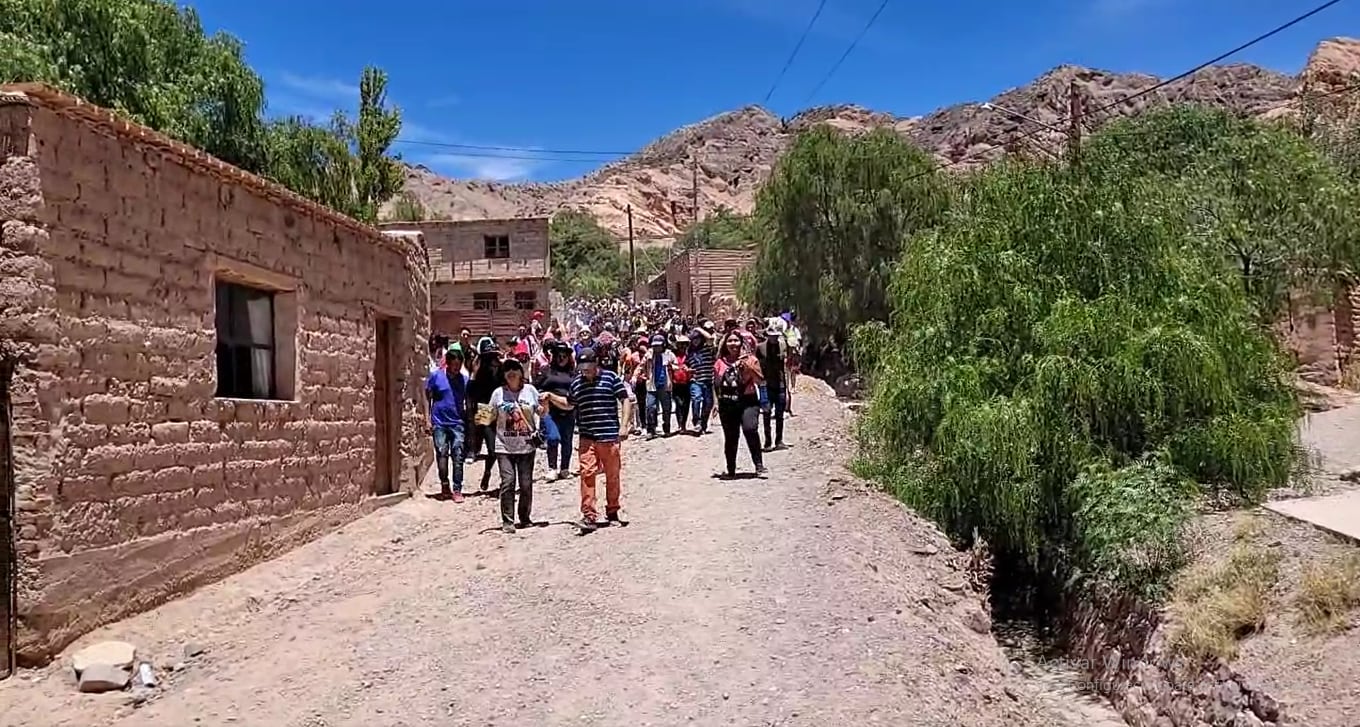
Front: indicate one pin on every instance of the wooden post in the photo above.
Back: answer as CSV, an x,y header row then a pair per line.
x,y
1074,113
632,259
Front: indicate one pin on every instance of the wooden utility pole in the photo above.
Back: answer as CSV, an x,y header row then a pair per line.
x,y
694,189
1074,113
632,259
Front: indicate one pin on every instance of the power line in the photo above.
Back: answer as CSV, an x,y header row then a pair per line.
x,y
1216,59
797,47
836,66
1222,56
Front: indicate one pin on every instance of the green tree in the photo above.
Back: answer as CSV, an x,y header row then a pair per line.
x,y
407,208
1266,201
585,256
151,61
377,176
721,230
313,160
832,221
1065,361
147,59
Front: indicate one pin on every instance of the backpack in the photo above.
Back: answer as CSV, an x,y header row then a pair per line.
x,y
729,386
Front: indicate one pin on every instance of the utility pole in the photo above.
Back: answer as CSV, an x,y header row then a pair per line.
x,y
1074,114
632,259
694,189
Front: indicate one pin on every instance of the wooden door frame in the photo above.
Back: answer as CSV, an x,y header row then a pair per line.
x,y
9,564
386,405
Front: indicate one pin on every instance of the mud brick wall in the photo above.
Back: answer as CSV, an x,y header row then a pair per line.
x,y
133,481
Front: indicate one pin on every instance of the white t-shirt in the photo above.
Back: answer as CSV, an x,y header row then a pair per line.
x,y
514,427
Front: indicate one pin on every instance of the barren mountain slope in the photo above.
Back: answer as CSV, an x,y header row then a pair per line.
x,y
725,158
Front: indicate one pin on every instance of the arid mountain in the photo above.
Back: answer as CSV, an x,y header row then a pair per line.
x,y
725,158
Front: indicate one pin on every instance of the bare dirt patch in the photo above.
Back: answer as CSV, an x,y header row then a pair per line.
x,y
1266,616
803,599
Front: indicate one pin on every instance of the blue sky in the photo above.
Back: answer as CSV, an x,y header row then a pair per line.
x,y
612,75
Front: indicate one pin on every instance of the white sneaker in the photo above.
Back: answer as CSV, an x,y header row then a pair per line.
x,y
550,476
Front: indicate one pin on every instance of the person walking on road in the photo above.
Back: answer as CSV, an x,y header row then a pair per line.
x,y
741,394
485,381
518,410
700,361
680,392
772,367
554,386
658,370
596,394
446,389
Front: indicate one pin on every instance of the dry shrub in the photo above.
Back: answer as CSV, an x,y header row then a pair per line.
x,y
1328,592
1217,604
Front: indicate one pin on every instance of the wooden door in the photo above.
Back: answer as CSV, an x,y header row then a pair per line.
x,y
386,409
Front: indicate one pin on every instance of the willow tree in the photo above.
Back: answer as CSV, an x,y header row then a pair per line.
x,y
1065,366
148,59
832,221
1265,200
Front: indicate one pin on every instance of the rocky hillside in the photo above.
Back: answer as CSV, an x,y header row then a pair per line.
x,y
733,152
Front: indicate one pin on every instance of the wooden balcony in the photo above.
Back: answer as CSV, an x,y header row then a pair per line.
x,y
490,269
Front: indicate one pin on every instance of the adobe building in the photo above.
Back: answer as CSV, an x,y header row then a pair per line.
x,y
198,369
488,276
698,281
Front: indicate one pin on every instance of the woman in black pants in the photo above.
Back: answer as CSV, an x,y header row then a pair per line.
x,y
741,395
485,381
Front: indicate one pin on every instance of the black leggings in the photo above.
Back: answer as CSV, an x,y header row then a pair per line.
x,y
742,415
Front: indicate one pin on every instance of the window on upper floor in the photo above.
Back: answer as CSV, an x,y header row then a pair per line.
x,y
496,246
485,301
526,300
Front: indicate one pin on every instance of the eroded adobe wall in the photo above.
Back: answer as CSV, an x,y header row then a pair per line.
x,y
134,481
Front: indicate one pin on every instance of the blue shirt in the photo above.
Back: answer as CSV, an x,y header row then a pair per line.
x,y
447,398
597,405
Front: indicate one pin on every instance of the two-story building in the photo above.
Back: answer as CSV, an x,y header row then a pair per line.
x,y
485,275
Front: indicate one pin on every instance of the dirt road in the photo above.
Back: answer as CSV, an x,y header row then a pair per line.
x,y
800,599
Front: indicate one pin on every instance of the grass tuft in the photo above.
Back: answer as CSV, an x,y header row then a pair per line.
x,y
1328,592
1215,605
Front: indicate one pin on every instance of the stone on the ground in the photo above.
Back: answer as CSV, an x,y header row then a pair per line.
x,y
975,619
97,678
118,654
193,649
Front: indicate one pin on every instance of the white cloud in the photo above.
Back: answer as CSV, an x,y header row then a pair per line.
x,y
330,89
494,168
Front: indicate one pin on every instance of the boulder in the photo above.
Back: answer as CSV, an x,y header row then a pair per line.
x,y
98,678
118,654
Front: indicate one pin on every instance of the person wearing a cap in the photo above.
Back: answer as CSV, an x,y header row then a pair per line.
x,y
597,396
658,370
770,353
680,391
446,390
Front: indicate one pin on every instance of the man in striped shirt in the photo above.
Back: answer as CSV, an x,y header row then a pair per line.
x,y
596,394
700,361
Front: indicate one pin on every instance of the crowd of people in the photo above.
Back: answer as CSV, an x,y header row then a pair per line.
x,y
615,370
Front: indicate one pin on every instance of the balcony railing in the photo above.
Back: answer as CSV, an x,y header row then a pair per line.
x,y
490,269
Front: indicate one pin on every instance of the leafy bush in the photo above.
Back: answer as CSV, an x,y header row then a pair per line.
x,y
1063,356
832,221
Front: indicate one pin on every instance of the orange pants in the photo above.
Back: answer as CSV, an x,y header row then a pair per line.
x,y
593,457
